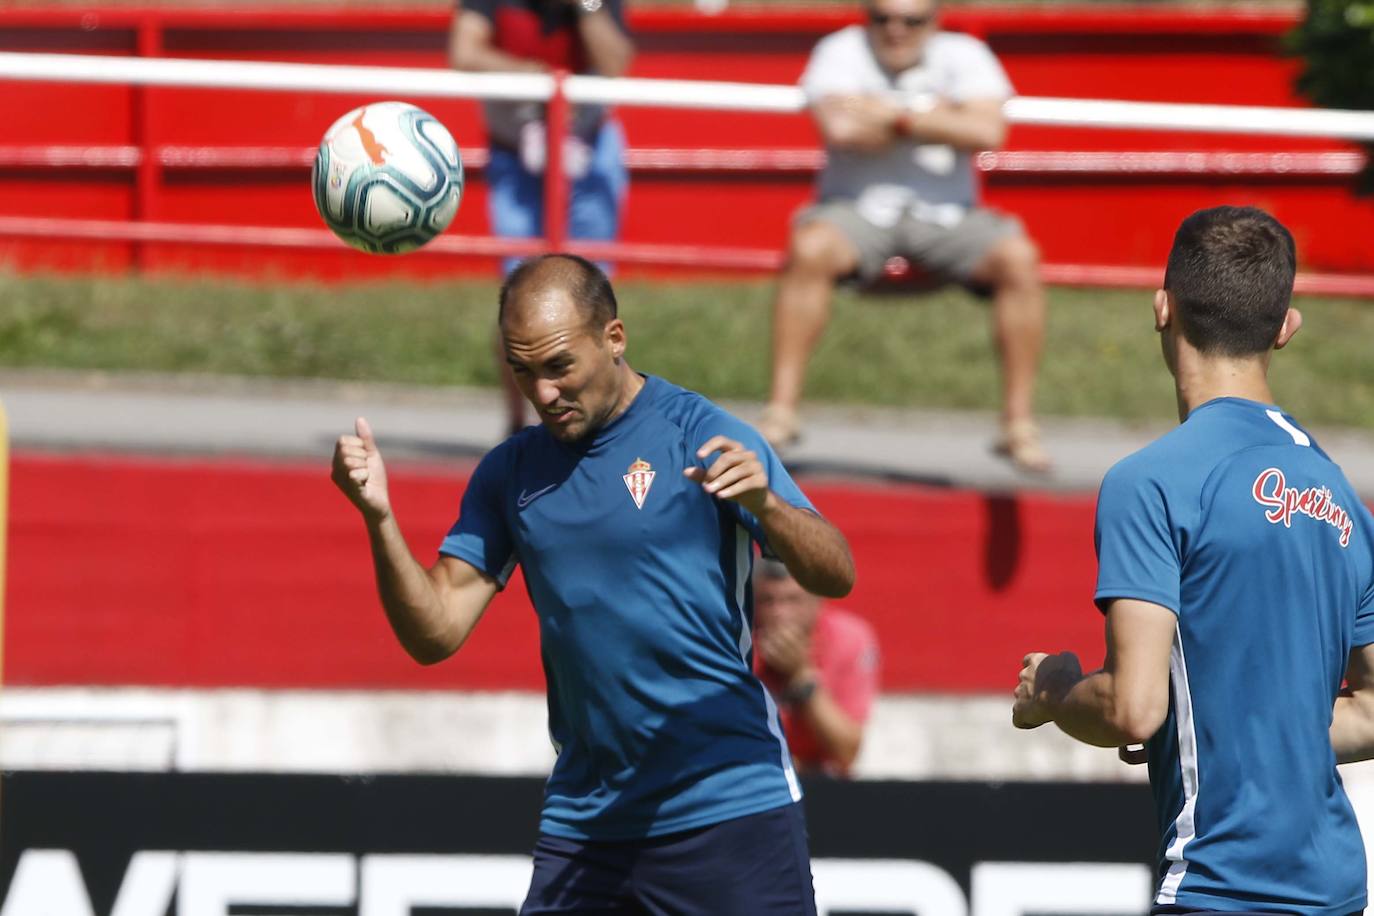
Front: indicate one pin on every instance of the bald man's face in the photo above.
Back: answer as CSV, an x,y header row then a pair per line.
x,y
565,367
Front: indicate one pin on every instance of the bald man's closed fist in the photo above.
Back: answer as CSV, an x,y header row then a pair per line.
x,y
359,472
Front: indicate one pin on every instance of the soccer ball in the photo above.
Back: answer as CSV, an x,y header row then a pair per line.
x,y
387,178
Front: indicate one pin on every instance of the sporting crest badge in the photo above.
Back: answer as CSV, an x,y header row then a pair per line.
x,y
638,480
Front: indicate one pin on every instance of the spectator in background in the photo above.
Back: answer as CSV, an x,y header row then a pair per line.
x,y
820,664
901,107
536,36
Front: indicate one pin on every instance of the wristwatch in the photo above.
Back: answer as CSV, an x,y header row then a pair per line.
x,y
589,6
908,116
799,694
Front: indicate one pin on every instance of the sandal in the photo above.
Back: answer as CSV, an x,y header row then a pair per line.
x,y
779,426
1020,444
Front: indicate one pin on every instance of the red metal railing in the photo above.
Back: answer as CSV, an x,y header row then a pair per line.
x,y
1056,180
556,190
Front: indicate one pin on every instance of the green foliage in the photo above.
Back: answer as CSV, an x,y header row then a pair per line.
x,y
1336,42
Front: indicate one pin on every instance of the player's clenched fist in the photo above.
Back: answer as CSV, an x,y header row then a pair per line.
x,y
359,472
1044,681
737,474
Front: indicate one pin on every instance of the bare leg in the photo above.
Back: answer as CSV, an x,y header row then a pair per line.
x,y
1012,268
817,256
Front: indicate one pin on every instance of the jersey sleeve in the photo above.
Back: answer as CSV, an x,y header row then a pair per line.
x,y
717,422
828,71
1364,614
617,10
481,536
485,8
1364,619
1136,553
979,74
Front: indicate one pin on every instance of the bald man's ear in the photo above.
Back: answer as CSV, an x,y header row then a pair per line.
x,y
615,338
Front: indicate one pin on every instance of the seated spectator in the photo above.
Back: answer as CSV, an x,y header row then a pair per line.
x,y
820,664
902,107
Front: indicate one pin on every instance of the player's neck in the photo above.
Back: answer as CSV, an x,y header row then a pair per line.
x,y
1199,379
630,384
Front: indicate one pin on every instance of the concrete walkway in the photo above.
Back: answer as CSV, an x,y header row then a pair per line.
x,y
300,419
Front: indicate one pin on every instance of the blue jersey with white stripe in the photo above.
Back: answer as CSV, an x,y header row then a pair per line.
x,y
640,580
1242,526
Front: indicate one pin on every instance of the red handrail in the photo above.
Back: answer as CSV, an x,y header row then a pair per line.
x,y
555,179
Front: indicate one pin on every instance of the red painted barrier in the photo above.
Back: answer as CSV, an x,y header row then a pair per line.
x,y
219,573
172,155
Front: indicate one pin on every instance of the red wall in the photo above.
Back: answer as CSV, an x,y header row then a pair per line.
x,y
216,573
1113,211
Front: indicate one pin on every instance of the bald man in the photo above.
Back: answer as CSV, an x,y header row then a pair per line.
x,y
632,509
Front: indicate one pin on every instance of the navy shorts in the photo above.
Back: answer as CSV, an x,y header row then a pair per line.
x,y
751,866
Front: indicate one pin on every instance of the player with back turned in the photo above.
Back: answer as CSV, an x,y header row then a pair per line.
x,y
1236,572
632,510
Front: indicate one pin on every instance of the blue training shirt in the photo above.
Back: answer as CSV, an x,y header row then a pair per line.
x,y
640,580
1242,526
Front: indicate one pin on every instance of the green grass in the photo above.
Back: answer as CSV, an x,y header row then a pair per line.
x,y
1101,359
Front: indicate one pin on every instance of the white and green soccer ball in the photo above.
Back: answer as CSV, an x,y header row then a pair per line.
x,y
387,178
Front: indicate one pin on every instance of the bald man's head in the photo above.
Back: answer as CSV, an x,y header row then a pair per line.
x,y
585,283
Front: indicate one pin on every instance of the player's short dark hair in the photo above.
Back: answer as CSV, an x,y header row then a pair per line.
x,y
586,283
1231,277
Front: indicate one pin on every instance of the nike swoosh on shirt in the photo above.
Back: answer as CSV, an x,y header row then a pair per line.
x,y
526,498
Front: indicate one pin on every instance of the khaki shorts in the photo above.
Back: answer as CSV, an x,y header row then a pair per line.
x,y
952,252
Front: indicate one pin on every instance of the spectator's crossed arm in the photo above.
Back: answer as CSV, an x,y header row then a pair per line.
x,y
608,45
